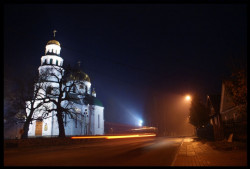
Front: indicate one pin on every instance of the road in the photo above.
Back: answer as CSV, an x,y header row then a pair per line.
x,y
152,151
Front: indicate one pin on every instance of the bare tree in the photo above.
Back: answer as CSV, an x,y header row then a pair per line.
x,y
60,94
22,99
237,86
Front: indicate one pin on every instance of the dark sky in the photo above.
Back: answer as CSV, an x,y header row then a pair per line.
x,y
129,50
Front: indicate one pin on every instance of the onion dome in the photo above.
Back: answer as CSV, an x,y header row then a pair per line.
x,y
53,42
81,76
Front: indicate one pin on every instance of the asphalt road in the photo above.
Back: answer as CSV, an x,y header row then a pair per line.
x,y
153,151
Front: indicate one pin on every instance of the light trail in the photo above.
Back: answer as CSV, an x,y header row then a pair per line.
x,y
114,137
86,137
129,136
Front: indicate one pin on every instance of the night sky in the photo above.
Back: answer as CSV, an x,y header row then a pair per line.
x,y
129,50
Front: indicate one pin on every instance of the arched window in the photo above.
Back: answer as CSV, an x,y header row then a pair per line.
x,y
45,61
74,89
51,60
98,121
86,89
56,62
49,90
65,120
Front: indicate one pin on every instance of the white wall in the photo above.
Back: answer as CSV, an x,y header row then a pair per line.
x,y
53,47
98,111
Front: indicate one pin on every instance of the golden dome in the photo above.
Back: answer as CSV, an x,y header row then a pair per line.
x,y
80,76
53,42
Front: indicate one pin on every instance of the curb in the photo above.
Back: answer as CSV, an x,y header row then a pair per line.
x,y
172,164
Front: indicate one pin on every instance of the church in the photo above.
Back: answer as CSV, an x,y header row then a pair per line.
x,y
88,118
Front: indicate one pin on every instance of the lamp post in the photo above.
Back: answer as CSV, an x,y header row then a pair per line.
x,y
188,99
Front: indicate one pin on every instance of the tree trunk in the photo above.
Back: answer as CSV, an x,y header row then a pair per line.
x,y
25,129
27,124
60,124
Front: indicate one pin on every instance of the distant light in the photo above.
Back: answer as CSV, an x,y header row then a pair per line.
x,y
140,122
188,97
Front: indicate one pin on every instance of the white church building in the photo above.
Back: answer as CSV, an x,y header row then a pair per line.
x,y
88,118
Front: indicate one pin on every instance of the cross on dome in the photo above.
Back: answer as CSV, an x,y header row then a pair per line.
x,y
54,31
79,63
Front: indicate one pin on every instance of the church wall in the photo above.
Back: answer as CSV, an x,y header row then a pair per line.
x,y
98,126
72,127
53,48
79,89
88,84
57,72
46,60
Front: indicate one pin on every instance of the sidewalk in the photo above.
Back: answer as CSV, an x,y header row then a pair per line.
x,y
196,153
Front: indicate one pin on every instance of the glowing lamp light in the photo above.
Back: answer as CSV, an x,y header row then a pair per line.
x,y
188,98
140,122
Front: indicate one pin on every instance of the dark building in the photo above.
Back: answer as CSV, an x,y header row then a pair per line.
x,y
213,104
231,116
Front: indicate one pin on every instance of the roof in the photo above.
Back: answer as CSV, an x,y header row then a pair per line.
x,y
214,100
88,99
92,100
53,42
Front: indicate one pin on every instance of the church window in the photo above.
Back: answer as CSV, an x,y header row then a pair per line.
x,y
51,60
49,90
74,89
45,61
98,121
56,62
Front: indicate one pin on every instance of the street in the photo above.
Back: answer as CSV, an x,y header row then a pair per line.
x,y
151,151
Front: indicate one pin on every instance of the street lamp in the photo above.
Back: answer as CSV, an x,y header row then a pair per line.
x,y
188,98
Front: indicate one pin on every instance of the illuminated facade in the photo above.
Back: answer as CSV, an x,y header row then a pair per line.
x,y
88,118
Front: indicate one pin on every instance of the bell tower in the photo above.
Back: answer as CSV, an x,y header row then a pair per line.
x,y
52,59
